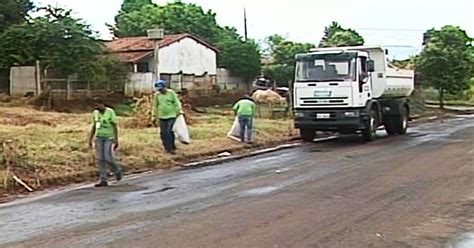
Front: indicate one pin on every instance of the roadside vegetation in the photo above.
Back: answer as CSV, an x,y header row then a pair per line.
x,y
464,98
50,148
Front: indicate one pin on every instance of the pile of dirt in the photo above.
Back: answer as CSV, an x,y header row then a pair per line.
x,y
142,116
5,98
23,120
43,102
14,164
141,113
210,100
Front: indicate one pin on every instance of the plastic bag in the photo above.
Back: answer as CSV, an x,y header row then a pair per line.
x,y
181,130
234,132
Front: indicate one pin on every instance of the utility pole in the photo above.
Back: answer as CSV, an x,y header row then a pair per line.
x,y
156,35
245,24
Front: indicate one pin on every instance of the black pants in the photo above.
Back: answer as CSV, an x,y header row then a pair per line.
x,y
167,135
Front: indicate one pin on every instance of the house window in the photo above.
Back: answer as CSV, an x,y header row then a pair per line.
x,y
143,67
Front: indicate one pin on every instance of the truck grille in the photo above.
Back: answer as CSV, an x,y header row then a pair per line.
x,y
324,101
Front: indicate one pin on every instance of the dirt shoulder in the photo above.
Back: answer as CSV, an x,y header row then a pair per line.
x,y
47,149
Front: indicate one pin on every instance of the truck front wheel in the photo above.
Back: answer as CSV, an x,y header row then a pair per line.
x,y
370,126
308,134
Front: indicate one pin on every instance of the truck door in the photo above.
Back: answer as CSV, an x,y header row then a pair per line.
x,y
364,81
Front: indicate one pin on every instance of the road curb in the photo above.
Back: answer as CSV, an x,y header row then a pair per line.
x,y
220,160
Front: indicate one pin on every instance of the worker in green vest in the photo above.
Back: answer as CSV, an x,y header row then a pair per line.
x,y
104,138
245,110
165,109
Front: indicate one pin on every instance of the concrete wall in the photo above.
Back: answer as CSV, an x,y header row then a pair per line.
x,y
140,83
188,57
22,80
227,81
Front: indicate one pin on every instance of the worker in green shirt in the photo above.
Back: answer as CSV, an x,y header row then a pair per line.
x,y
105,131
165,109
245,110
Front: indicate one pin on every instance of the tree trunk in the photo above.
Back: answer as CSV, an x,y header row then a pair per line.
x,y
68,89
441,98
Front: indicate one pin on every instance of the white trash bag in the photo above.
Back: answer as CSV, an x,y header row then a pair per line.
x,y
234,132
181,130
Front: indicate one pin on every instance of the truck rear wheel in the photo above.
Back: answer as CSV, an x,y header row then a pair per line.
x,y
401,121
308,134
389,125
370,126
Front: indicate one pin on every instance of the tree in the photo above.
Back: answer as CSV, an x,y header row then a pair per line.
x,y
427,35
241,57
134,5
54,38
408,63
335,36
13,12
176,17
445,62
282,52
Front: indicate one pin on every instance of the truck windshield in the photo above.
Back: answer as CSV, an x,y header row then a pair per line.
x,y
326,68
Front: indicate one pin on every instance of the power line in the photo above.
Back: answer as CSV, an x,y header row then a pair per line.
x,y
403,46
391,29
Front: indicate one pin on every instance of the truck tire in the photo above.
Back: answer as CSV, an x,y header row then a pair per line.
x,y
401,121
368,133
307,134
389,125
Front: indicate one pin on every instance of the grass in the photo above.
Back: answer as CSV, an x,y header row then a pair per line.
x,y
52,146
124,108
464,99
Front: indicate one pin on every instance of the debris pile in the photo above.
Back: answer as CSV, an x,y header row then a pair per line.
x,y
142,117
14,165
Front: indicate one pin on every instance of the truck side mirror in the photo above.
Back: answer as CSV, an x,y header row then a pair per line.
x,y
370,66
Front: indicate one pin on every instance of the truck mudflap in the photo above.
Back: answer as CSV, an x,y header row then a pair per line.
x,y
338,120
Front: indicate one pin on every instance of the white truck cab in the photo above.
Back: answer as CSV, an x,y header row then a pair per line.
x,y
350,90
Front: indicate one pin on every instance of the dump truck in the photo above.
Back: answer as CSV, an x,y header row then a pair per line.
x,y
350,90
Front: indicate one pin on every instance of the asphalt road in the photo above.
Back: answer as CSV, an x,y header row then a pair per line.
x,y
404,191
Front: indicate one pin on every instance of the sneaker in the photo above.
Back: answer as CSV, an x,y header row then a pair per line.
x,y
102,184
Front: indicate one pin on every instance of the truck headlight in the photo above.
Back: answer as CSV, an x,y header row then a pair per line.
x,y
299,114
351,114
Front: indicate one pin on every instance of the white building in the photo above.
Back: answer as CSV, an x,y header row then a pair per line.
x,y
184,60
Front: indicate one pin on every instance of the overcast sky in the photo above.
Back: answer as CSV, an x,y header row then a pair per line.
x,y
381,22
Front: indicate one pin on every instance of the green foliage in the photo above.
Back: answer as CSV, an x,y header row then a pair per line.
x,y
446,60
60,42
241,57
427,35
335,36
282,52
176,17
13,12
105,69
406,63
56,39
134,5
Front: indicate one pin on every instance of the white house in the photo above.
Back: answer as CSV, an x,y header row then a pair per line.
x,y
184,60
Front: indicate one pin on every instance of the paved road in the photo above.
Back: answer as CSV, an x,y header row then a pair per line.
x,y
405,191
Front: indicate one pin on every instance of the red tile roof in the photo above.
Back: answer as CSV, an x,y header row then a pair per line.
x,y
132,49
